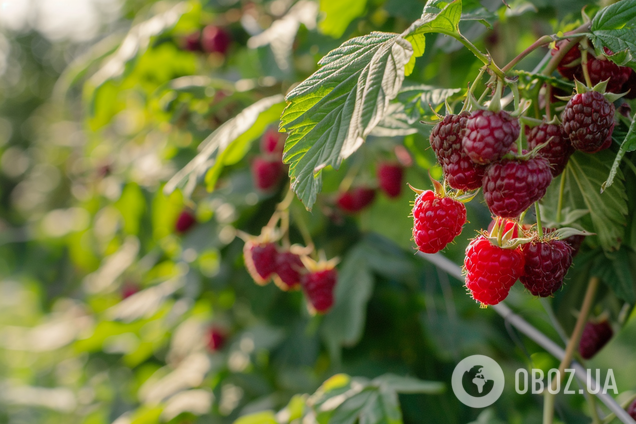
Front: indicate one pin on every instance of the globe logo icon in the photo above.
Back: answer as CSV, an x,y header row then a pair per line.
x,y
478,381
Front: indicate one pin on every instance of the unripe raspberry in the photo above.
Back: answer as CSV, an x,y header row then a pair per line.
x,y
185,221
489,135
391,178
356,199
546,264
512,186
491,270
260,259
289,270
594,338
588,119
267,173
436,221
558,150
215,39
319,287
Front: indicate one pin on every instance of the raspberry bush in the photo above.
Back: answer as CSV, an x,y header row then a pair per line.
x,y
310,212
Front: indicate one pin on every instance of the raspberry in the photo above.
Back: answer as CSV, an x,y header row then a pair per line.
x,y
271,142
588,120
630,86
572,55
511,186
260,260
266,173
128,290
192,42
390,178
559,148
356,199
216,339
460,172
185,221
215,40
490,270
489,135
603,69
594,337
631,410
508,226
546,263
575,243
318,286
436,221
289,270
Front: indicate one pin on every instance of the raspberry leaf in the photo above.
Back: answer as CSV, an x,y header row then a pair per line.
x,y
628,145
614,27
614,269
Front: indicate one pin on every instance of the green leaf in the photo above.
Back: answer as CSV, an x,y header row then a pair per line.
x,y
584,176
339,14
617,274
617,40
266,417
402,384
227,145
615,16
628,145
418,99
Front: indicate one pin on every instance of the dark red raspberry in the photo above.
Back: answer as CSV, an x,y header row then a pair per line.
x,y
260,260
604,69
565,67
546,263
391,178
631,410
215,39
588,119
489,135
512,185
185,221
558,150
490,270
192,42
436,221
266,173
356,199
289,269
216,339
594,337
271,142
630,86
575,243
318,287
463,174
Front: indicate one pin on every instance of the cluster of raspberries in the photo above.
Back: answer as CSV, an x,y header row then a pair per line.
x,y
290,270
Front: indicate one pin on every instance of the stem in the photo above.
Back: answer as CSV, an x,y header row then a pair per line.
x,y
560,203
546,39
556,59
548,98
586,73
593,411
538,213
548,406
487,60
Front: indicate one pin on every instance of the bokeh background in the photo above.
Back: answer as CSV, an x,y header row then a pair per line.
x,y
108,314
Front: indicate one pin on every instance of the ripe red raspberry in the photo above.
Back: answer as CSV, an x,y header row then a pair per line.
x,y
260,260
215,39
511,186
546,263
271,142
185,221
390,178
588,119
558,150
509,225
266,173
436,221
289,269
216,339
604,69
318,287
489,135
594,337
356,199
491,270
565,67
630,86
631,410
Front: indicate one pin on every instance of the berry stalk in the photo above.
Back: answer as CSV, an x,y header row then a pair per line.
x,y
548,406
538,214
